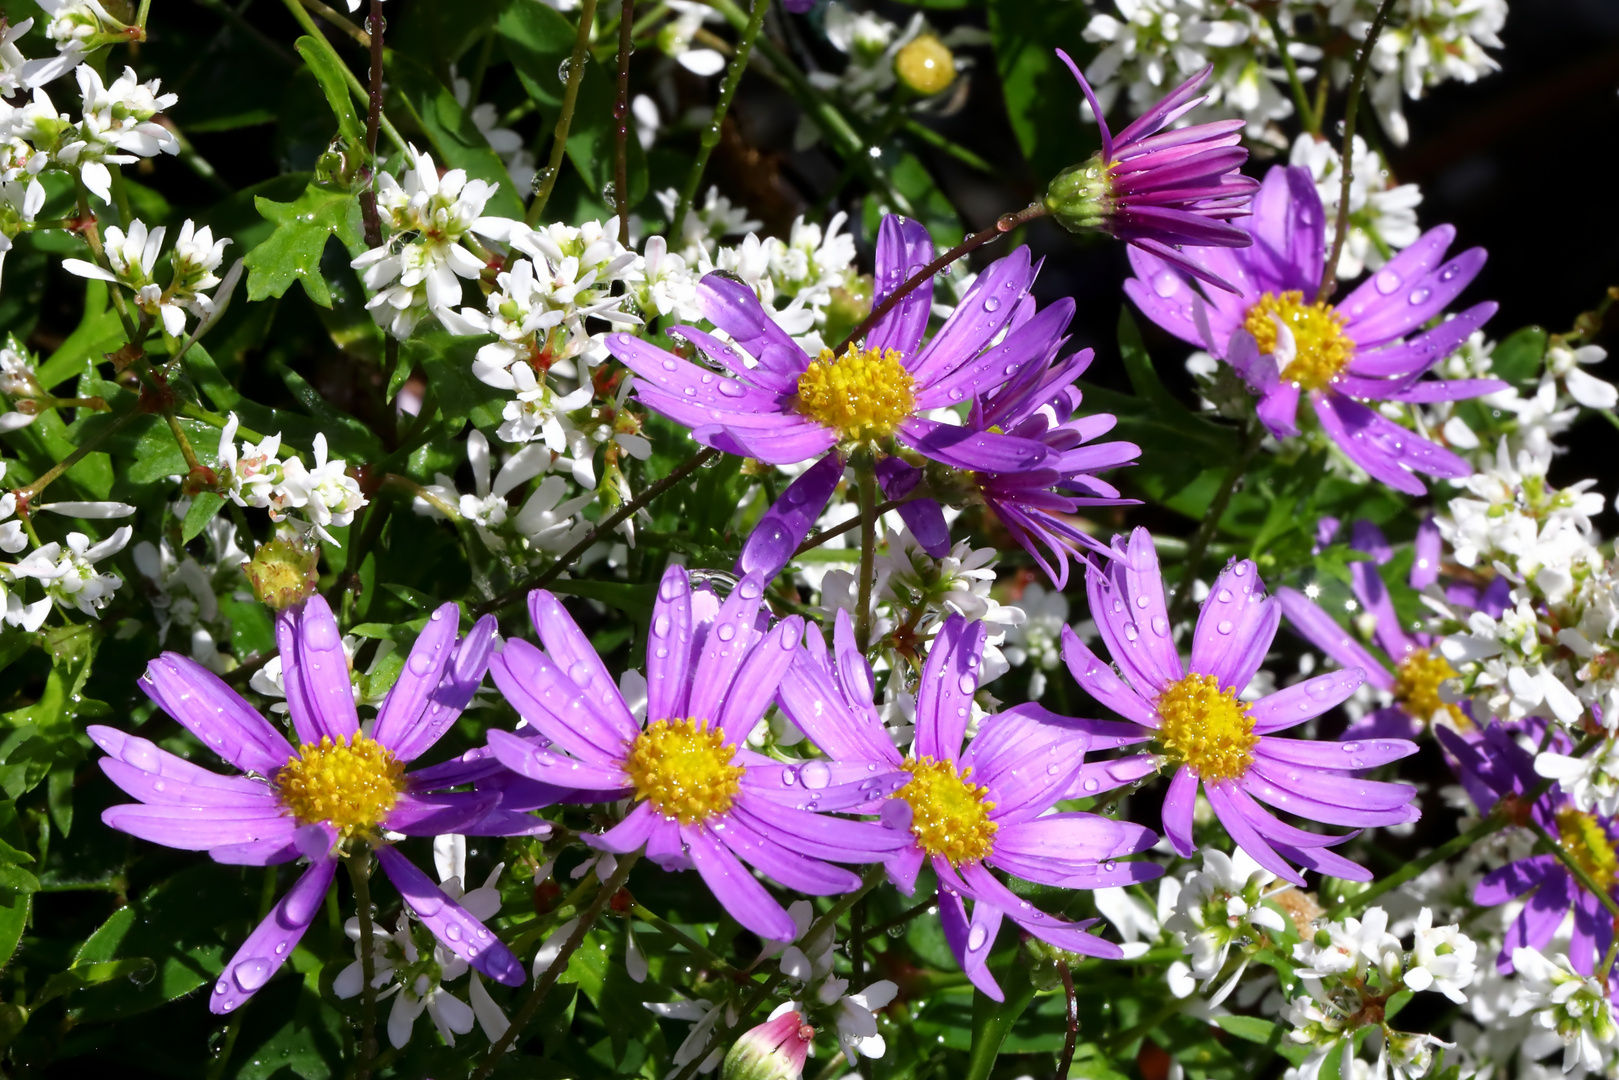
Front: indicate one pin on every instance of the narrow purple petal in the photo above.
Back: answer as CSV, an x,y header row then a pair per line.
x,y
1383,448
1512,880
572,652
1302,701
964,448
423,670
732,306
944,696
953,921
1247,838
1411,307
628,835
1235,618
823,836
554,705
1144,586
1325,798
198,828
529,758
1100,682
756,848
215,713
985,309
1342,756
1322,631
153,761
455,927
903,248
668,655
1179,802
726,355
158,789
789,520
1389,287
732,638
1073,837
437,814
315,671
758,679
742,897
269,946
984,887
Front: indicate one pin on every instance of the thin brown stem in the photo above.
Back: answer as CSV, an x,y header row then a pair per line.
x,y
1346,163
570,98
1071,1037
331,15
1003,225
373,122
621,121
813,542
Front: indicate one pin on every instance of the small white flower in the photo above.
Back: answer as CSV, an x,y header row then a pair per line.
x,y
1574,1006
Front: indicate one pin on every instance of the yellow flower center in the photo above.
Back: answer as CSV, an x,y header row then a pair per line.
x,y
1587,842
1321,349
1206,728
684,769
863,395
949,815
926,65
1416,688
350,784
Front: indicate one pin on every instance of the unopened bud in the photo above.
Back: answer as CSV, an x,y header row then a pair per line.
x,y
1081,197
775,1050
283,573
847,309
925,65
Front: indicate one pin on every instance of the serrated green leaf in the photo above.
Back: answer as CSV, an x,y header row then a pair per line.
x,y
203,510
293,251
324,65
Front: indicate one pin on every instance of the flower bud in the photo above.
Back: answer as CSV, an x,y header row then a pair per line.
x,y
775,1050
282,573
849,306
925,65
1081,197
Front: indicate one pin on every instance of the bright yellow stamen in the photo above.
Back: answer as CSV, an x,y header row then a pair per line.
x,y
863,394
1207,728
949,815
349,784
1322,350
926,65
1587,842
684,769
1416,688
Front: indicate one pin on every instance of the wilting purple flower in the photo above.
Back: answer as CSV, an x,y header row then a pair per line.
x,y
1414,669
702,799
1200,726
339,784
1159,190
1496,767
967,810
1285,344
790,407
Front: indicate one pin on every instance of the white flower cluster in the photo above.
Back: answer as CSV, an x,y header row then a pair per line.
x,y
255,475
133,257
184,591
1427,42
1220,906
1382,218
546,522
807,966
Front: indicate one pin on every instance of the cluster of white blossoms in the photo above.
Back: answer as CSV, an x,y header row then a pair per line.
x,y
1382,217
133,258
823,997
184,590
255,474
1149,46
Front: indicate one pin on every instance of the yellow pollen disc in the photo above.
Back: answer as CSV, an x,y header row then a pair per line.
x,y
1207,728
926,65
1318,335
349,784
684,769
1416,688
949,815
863,395
1587,841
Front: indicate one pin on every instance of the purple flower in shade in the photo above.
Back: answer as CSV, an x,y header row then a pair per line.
x,y
1496,767
966,811
702,799
1160,191
339,785
1414,669
1200,726
1286,345
785,407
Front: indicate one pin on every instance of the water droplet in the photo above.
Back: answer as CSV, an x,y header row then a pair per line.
x,y
1130,631
816,775
1224,626
731,388
1160,626
992,303
1386,281
1091,784
726,632
321,634
750,589
967,684
975,939
1419,295
1166,284
660,625
420,663
252,973
452,933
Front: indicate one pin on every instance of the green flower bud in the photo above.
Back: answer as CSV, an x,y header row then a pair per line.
x,y
283,573
1081,197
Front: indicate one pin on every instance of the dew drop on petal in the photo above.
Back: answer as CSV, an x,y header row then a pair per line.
x,y
815,775
252,973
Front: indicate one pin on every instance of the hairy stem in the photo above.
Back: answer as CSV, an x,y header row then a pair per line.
x,y
868,550
1071,1036
373,122
621,121
543,985
1003,225
1199,544
570,98
710,137
359,865
1346,164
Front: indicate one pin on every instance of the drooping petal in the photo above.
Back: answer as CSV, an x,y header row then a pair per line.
x,y
455,927
743,898
269,946
788,521
1322,631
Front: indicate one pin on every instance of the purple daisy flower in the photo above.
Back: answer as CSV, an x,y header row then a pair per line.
x,y
1160,191
785,407
340,785
1496,767
702,799
1212,738
1414,670
966,811
1286,345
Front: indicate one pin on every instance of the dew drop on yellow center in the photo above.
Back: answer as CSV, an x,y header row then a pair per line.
x,y
1416,688
863,395
949,814
1587,842
350,784
684,769
1206,728
1321,349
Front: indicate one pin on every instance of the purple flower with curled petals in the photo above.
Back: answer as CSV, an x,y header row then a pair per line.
x,y
784,407
1497,767
1414,670
340,785
1160,191
967,810
701,799
1286,345
1200,726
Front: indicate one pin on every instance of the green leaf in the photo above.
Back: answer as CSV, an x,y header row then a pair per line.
x,y
1138,366
1518,358
993,1020
537,39
293,251
85,976
1042,99
26,765
632,599
324,65
447,362
158,456
346,436
456,140
204,508
98,332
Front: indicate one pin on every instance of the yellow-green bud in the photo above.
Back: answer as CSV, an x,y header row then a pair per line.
x,y
849,306
1081,197
925,65
283,573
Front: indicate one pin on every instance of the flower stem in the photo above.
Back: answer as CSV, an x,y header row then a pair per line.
x,y
1346,163
570,98
1003,225
621,121
602,528
1354,905
940,142
868,550
673,932
356,88
903,917
1072,1034
1301,98
1253,436
853,523
710,137
33,490
545,982
373,121
359,865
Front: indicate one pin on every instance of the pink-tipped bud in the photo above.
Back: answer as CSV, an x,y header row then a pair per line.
x,y
775,1050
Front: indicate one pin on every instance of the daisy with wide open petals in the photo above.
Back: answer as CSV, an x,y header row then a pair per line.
x,y
340,786
1201,728
968,810
702,800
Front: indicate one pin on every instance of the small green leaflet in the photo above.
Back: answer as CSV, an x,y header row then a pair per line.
x,y
292,252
